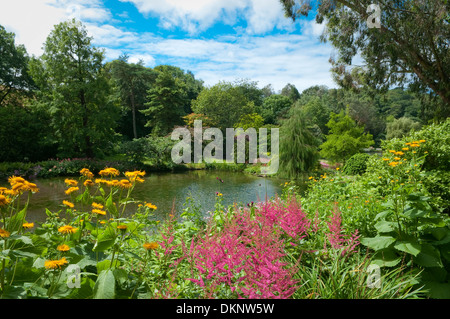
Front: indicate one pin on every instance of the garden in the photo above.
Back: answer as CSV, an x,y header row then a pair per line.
x,y
381,231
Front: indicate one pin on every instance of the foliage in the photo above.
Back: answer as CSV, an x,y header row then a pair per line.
x,y
275,107
223,103
74,89
409,47
345,138
14,74
25,135
133,81
357,164
298,146
401,127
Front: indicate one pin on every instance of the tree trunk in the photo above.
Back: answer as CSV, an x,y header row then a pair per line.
x,y
133,112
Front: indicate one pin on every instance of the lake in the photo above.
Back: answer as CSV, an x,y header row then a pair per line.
x,y
165,189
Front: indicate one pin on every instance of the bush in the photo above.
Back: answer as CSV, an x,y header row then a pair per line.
x,y
357,164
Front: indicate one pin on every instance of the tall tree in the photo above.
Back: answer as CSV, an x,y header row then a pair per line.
x,y
167,102
14,74
133,80
75,90
407,45
299,151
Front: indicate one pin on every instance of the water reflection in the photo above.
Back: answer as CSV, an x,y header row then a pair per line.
x,y
168,189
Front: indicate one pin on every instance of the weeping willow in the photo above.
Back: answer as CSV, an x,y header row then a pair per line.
x,y
298,146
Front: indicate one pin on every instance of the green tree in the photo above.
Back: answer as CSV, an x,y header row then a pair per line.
x,y
132,80
409,46
317,113
75,91
167,102
274,107
223,103
14,60
291,92
345,138
298,146
401,127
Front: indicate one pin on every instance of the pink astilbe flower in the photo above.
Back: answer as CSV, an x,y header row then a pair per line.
x,y
246,256
290,218
336,237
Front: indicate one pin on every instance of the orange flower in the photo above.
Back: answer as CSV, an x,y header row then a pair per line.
x,y
71,190
87,173
54,264
97,206
70,182
4,200
67,229
28,225
99,211
4,233
88,182
109,171
151,246
68,204
63,248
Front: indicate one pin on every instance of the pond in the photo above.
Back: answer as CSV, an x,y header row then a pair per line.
x,y
167,189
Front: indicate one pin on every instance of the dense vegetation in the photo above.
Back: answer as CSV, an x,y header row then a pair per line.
x,y
373,223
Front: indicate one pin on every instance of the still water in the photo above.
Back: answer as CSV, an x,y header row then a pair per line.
x,y
167,189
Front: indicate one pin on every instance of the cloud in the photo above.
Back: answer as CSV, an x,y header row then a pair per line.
x,y
195,16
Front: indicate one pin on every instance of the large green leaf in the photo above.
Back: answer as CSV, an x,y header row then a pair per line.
x,y
428,257
16,221
111,206
378,242
386,258
105,286
409,247
385,226
105,240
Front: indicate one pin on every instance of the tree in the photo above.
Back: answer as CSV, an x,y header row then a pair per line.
x,y
274,107
223,103
167,101
132,80
317,113
14,74
401,127
345,138
298,146
291,92
74,89
409,46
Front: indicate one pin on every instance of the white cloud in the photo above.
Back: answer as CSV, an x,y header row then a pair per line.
x,y
195,16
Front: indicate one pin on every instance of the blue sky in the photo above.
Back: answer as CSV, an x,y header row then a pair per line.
x,y
217,40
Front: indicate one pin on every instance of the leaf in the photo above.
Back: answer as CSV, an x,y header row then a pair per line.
x,y
379,242
385,226
110,206
440,233
428,257
412,248
105,285
105,240
383,214
438,290
16,221
386,258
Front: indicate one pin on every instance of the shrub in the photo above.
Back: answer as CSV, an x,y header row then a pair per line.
x,y
357,164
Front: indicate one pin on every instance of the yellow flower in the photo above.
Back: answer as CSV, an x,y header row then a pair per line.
x,y
15,180
87,173
310,177
393,164
132,176
399,153
140,180
88,182
28,225
109,171
405,148
151,206
97,205
100,181
415,145
337,168
122,227
70,182
54,264
385,159
4,200
68,204
397,158
124,183
71,190
67,229
63,248
151,246
391,151
219,194
99,211
4,233
408,144
422,141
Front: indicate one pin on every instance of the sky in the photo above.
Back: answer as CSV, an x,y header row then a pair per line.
x,y
217,40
